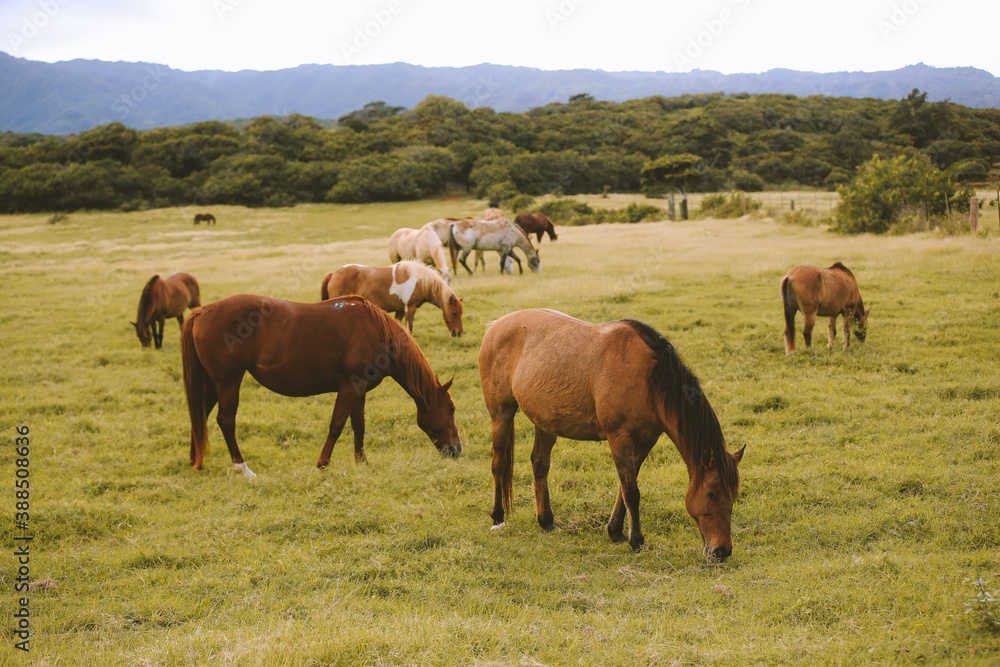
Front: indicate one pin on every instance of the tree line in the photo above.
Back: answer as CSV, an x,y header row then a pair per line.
x,y
655,145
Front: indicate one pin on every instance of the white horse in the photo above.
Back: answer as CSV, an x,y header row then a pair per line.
x,y
500,235
422,245
440,227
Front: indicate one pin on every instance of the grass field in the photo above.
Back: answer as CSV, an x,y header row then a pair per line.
x,y
870,481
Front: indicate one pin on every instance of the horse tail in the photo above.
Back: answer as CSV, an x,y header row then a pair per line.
x,y
789,303
452,244
196,382
324,287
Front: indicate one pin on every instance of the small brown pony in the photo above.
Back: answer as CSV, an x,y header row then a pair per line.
x,y
207,218
399,289
162,298
343,345
825,293
536,223
622,382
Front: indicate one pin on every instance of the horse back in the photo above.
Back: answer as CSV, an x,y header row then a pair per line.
x,y
825,292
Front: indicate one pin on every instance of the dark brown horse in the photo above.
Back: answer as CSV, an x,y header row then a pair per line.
x,y
536,223
345,345
207,218
622,382
825,293
162,298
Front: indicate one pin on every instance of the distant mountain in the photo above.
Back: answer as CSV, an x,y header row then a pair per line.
x,y
73,96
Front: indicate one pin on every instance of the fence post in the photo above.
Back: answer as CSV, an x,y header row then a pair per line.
x,y
684,206
670,207
974,214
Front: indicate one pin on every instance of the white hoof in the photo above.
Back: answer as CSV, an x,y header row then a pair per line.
x,y
245,469
498,526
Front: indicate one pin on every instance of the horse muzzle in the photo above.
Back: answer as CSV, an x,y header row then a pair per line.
x,y
452,449
455,333
721,552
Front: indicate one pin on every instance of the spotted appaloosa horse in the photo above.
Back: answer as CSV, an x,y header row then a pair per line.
x,y
162,298
622,382
826,292
400,289
500,235
346,345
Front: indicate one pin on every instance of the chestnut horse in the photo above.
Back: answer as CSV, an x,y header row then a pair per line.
x,y
825,293
536,223
345,345
399,289
207,218
422,245
622,382
162,298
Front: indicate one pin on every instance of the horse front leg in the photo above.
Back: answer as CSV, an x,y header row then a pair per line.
x,y
358,426
347,399
831,332
410,312
513,256
847,331
628,456
157,327
541,456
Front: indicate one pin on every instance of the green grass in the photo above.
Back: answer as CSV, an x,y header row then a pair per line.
x,y
870,485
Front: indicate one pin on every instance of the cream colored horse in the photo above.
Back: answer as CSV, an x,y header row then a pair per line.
x,y
399,289
423,245
500,235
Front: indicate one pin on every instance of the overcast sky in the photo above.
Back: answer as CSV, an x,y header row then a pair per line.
x,y
730,36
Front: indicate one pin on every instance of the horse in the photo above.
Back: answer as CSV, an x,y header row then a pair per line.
x,y
620,381
537,223
501,235
344,345
400,289
825,293
419,244
207,218
162,298
492,213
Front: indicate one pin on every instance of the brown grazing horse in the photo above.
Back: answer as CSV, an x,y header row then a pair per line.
x,y
207,218
825,293
162,298
622,382
399,289
536,223
343,345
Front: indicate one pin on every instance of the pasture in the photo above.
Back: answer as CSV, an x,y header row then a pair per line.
x,y
870,490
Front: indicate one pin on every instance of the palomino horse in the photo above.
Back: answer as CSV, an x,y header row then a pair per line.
x,y
536,223
400,289
622,382
344,345
825,293
422,245
162,298
500,235
207,218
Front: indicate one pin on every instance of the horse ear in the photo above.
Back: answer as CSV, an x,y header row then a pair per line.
x,y
868,311
738,454
707,458
447,385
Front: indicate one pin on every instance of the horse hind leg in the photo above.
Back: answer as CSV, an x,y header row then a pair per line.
x,y
541,456
807,328
229,402
502,461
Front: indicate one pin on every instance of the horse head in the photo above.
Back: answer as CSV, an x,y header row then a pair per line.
x,y
453,309
861,322
535,262
710,503
438,420
142,331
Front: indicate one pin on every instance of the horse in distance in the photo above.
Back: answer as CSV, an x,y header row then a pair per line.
x,y
162,298
207,218
536,223
500,235
423,245
345,345
622,382
399,289
829,292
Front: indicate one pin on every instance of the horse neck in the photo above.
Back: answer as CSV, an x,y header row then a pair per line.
x,y
410,369
524,243
147,300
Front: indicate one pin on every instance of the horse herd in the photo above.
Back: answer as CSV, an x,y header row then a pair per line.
x,y
619,381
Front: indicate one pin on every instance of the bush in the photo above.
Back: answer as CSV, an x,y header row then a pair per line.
x,y
723,206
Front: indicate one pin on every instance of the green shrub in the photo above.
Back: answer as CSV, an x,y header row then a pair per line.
x,y
726,206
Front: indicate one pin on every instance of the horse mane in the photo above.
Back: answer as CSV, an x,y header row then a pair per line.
x,y
144,301
419,377
430,281
677,390
837,266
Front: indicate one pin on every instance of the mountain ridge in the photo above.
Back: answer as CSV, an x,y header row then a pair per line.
x,y
73,96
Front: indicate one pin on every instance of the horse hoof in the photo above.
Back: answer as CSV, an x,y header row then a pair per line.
x,y
498,526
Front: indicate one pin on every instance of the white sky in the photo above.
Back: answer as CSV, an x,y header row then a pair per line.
x,y
730,36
